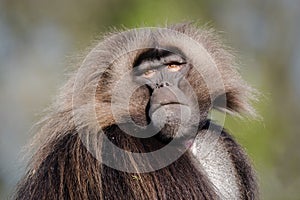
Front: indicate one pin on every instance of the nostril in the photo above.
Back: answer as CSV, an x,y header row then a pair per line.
x,y
159,85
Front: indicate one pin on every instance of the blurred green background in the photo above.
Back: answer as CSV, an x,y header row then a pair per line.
x,y
39,38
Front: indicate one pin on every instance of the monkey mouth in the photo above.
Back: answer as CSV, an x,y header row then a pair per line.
x,y
172,103
158,106
172,114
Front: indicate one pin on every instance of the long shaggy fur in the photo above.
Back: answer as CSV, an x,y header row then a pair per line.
x,y
62,167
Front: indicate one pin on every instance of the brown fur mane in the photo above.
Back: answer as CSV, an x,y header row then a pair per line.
x,y
70,171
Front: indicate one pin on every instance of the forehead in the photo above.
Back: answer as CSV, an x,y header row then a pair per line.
x,y
157,54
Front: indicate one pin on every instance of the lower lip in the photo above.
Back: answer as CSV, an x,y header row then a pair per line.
x,y
170,104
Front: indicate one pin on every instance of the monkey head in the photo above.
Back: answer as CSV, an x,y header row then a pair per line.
x,y
164,81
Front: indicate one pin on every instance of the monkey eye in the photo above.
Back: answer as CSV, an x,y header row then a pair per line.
x,y
174,68
149,73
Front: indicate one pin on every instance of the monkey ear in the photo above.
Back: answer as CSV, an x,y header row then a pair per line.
x,y
237,100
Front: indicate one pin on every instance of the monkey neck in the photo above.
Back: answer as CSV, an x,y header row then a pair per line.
x,y
180,178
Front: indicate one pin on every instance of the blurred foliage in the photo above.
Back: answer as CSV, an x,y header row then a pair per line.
x,y
35,37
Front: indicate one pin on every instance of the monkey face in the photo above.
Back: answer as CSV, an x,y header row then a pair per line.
x,y
171,106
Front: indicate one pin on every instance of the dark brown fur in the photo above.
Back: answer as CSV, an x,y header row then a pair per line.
x,y
62,167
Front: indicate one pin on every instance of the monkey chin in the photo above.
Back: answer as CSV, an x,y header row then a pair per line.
x,y
173,121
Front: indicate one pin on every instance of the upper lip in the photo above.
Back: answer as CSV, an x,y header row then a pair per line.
x,y
168,103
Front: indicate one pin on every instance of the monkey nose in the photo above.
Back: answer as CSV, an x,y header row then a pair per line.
x,y
163,95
